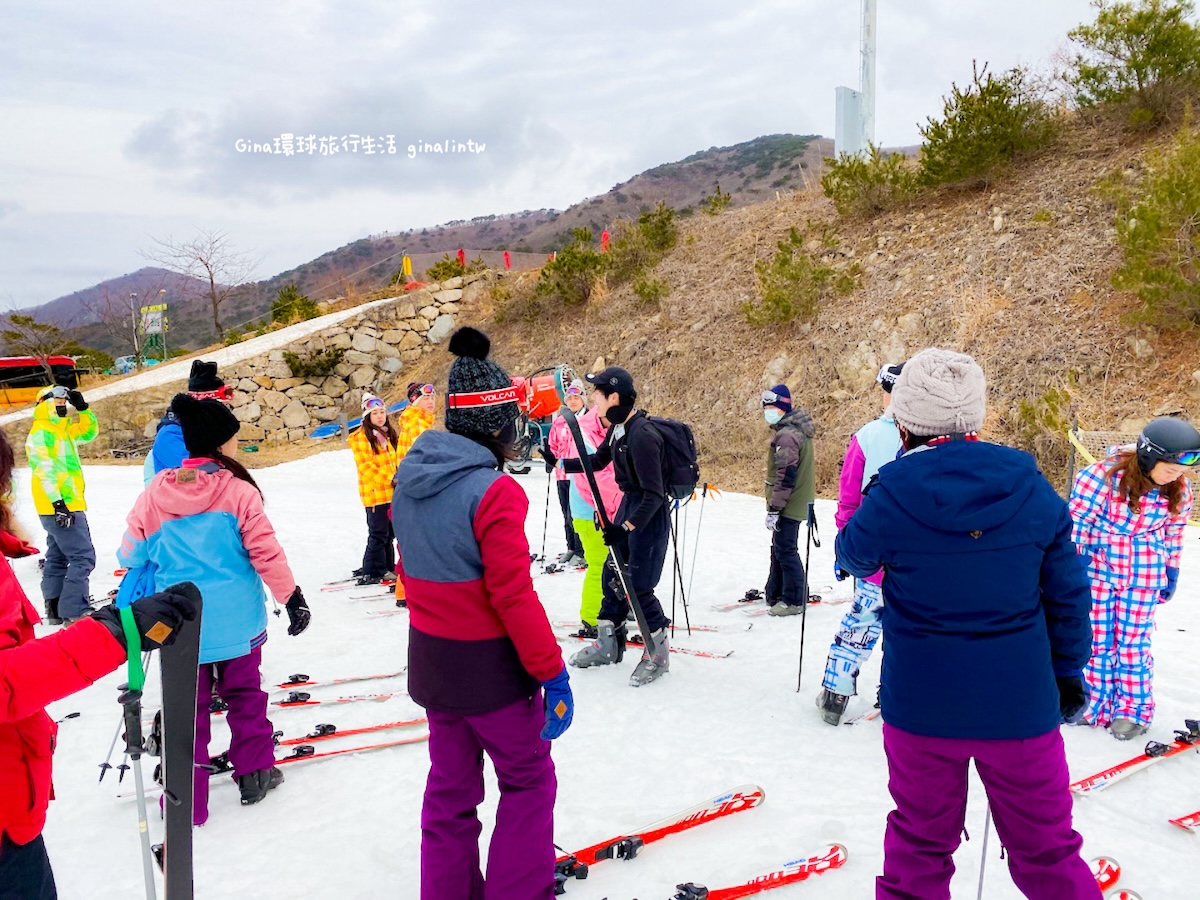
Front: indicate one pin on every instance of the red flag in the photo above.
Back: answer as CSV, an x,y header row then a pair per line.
x,y
604,241
507,260
462,257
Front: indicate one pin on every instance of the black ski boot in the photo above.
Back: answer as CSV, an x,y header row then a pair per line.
x,y
255,785
52,616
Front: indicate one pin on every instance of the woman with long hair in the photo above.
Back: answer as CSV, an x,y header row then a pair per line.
x,y
482,659
1129,511
204,522
373,444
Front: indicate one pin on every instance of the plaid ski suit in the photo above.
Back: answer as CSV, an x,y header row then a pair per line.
x,y
1127,556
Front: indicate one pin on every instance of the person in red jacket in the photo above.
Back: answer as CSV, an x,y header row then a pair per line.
x,y
36,672
482,659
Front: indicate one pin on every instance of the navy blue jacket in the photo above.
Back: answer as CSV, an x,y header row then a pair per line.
x,y
985,600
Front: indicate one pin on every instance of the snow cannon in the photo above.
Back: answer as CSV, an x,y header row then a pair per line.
x,y
539,397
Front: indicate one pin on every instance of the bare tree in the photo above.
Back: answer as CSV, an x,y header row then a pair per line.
x,y
211,257
25,336
120,316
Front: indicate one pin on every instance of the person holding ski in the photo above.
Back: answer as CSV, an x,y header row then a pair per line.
x,y
482,659
168,451
791,489
872,446
35,672
986,616
58,497
562,445
205,522
638,533
1129,512
373,444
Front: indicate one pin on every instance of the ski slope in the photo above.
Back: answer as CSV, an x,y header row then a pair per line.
x,y
349,827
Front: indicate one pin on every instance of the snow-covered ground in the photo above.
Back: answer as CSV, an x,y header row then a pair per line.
x,y
165,373
349,827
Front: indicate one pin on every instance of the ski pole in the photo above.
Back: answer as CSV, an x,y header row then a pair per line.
x,y
696,542
131,701
546,515
107,764
678,576
812,538
987,821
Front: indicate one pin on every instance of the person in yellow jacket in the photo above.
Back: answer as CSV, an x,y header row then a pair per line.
x,y
374,446
417,418
58,498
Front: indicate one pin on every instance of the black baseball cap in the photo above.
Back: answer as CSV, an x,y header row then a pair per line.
x,y
612,380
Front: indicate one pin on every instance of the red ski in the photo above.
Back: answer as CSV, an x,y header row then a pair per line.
x,y
635,641
301,680
329,732
1106,870
300,698
1155,752
1190,822
627,846
831,857
307,751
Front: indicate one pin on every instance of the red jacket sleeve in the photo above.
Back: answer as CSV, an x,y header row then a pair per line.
x,y
500,530
36,673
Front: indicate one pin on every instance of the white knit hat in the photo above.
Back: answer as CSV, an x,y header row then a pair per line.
x,y
940,392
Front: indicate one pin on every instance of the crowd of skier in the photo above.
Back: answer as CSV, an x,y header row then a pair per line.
x,y
1007,611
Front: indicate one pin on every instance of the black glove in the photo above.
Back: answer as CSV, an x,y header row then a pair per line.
x,y
548,456
157,617
1073,695
299,615
76,400
615,535
63,517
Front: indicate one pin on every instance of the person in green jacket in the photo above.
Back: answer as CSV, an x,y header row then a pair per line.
x,y
790,489
58,498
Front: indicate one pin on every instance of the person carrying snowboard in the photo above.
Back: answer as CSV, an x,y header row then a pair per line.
x,y
204,522
562,445
986,616
1129,512
872,446
373,444
638,533
58,497
790,490
482,659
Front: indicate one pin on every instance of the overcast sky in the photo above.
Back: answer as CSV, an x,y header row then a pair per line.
x,y
121,120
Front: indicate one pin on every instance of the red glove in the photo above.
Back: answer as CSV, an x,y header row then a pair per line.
x,y
15,548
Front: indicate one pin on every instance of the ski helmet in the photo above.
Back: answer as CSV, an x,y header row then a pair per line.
x,y
1168,439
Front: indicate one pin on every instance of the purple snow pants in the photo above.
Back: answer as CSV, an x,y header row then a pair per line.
x,y
239,683
521,854
1026,783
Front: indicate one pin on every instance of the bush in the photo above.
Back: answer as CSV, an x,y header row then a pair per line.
x,y
234,336
315,364
991,122
650,290
1158,232
571,276
636,248
445,268
290,305
96,360
792,284
864,186
1144,54
716,204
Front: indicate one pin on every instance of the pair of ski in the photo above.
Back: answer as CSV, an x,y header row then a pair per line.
x,y
303,746
1155,752
627,846
1107,872
635,640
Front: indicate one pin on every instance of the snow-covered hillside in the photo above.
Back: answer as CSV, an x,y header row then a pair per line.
x,y
349,827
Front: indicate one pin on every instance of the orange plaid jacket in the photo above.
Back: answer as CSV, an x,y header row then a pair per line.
x,y
412,422
375,470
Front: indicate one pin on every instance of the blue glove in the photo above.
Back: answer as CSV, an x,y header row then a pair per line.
x,y
838,572
1172,582
560,705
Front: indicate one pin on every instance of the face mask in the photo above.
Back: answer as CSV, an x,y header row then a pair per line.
x,y
618,414
772,414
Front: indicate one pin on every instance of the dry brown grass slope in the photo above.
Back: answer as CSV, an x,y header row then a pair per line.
x,y
1018,276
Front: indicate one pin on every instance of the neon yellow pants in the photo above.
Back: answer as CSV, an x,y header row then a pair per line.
x,y
595,553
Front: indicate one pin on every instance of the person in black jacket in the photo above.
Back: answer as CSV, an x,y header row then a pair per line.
x,y
640,531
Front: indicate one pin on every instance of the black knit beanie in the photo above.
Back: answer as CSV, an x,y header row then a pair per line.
x,y
203,378
480,398
206,424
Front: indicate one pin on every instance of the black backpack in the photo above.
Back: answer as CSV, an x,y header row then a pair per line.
x,y
681,473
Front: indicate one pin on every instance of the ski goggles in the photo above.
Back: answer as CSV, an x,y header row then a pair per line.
x,y
887,375
58,392
420,390
223,393
574,390
1183,458
372,404
770,397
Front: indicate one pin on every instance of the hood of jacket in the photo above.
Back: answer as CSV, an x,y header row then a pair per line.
x,y
189,491
961,486
799,420
437,460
